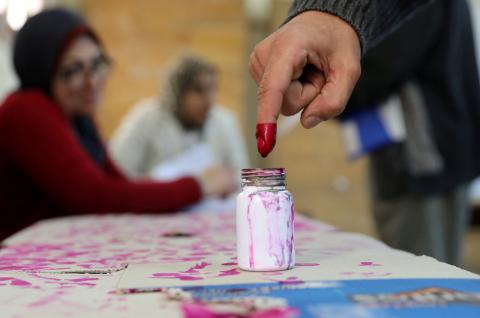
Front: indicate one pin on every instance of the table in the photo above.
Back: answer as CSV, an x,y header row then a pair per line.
x,y
184,266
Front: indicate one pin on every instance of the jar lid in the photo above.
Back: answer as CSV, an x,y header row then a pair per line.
x,y
263,172
269,177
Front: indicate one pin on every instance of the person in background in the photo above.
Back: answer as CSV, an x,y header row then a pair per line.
x,y
419,183
52,160
185,121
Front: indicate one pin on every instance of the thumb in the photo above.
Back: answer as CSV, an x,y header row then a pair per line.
x,y
334,95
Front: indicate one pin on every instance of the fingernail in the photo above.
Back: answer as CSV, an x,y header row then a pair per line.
x,y
266,138
312,121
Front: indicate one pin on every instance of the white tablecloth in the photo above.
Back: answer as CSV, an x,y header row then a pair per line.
x,y
92,266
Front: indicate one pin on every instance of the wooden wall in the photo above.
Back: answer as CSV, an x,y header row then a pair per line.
x,y
143,36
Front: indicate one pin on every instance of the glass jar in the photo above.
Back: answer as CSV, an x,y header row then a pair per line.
x,y
265,221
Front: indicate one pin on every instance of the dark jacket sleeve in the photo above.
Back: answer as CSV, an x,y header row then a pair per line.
x,y
399,58
371,19
41,143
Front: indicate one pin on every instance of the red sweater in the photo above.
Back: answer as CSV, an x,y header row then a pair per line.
x,y
45,172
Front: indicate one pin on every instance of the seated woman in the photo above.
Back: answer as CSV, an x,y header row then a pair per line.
x,y
181,131
185,115
52,160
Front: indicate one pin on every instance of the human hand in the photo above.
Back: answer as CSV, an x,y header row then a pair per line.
x,y
311,63
217,181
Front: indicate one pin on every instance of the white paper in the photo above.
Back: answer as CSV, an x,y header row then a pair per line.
x,y
192,162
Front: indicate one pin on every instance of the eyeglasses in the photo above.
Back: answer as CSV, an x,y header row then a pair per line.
x,y
77,73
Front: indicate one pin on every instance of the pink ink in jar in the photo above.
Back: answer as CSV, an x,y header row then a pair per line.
x,y
265,221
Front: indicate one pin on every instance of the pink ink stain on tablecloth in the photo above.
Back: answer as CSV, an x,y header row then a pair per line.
x,y
301,225
198,310
189,259
192,271
176,276
229,272
230,264
12,281
291,280
48,300
347,273
195,268
200,254
20,282
368,264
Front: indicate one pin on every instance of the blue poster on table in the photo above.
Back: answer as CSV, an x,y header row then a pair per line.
x,y
402,298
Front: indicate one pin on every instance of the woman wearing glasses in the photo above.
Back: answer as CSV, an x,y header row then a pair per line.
x,y
52,160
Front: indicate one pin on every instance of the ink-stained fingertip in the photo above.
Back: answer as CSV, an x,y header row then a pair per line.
x,y
266,134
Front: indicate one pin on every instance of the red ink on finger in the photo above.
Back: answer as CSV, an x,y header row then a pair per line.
x,y
266,138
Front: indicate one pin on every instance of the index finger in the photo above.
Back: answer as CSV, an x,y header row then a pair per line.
x,y
279,73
